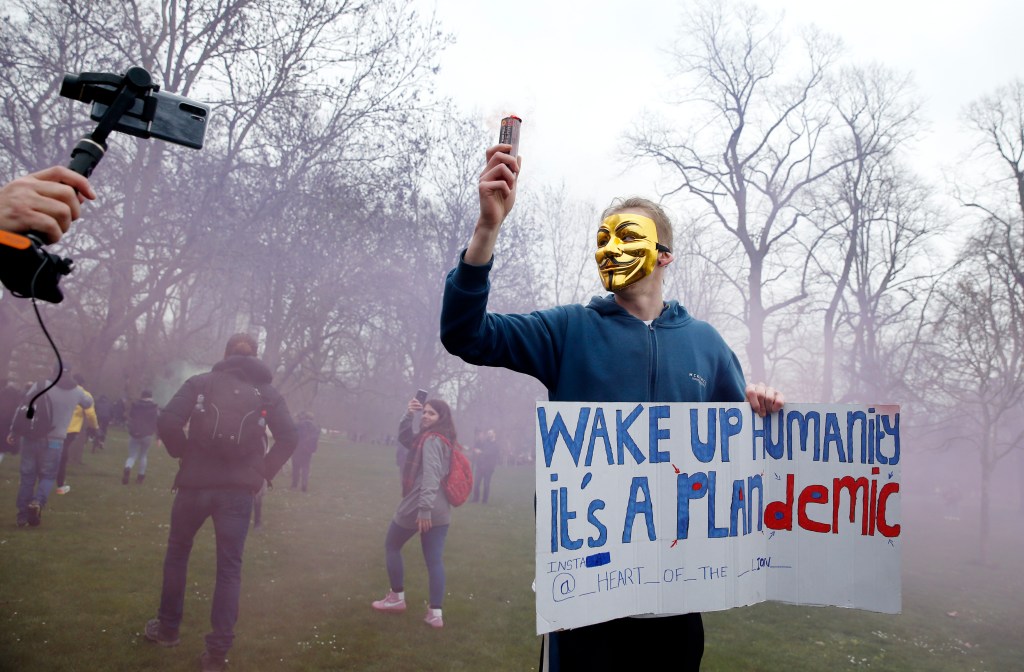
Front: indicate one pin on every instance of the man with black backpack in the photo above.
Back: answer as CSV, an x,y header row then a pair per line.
x,y
42,438
223,464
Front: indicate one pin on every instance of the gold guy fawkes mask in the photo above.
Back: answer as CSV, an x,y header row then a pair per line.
x,y
627,249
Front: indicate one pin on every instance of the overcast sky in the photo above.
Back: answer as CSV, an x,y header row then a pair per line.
x,y
579,73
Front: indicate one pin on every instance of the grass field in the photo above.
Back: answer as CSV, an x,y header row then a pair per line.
x,y
75,592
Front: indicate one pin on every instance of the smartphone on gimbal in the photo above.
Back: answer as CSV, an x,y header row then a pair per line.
x,y
177,119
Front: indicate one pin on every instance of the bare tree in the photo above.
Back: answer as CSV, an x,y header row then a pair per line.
x,y
565,231
754,142
702,276
987,301
982,355
874,220
998,122
308,96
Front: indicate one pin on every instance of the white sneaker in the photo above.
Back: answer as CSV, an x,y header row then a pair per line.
x,y
433,618
392,602
64,489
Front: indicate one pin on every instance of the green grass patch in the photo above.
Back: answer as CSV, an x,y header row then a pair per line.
x,y
76,592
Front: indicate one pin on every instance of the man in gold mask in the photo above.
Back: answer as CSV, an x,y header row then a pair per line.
x,y
667,356
628,249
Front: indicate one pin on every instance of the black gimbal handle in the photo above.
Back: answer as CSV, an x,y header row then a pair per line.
x,y
88,87
85,155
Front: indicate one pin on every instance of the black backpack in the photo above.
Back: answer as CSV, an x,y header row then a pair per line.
x,y
230,417
40,425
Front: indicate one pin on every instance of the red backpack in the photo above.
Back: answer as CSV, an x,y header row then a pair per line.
x,y
459,482
456,484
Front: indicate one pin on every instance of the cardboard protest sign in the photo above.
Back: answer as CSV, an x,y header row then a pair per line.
x,y
676,508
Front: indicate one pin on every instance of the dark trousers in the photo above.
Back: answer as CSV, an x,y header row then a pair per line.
x,y
65,451
230,510
300,470
671,643
39,459
482,481
432,543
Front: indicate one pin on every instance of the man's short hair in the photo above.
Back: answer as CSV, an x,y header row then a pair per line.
x,y
655,211
241,344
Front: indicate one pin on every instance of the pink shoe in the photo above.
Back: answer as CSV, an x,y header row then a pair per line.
x,y
433,618
392,602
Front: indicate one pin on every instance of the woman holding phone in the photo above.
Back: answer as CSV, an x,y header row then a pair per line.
x,y
424,508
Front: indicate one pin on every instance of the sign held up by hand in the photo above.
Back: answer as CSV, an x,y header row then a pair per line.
x,y
676,508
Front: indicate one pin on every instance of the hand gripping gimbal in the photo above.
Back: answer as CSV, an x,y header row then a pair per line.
x,y
129,103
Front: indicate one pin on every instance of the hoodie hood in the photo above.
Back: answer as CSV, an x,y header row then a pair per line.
x,y
245,367
672,315
66,382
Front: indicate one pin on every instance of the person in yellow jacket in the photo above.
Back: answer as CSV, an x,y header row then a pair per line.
x,y
81,416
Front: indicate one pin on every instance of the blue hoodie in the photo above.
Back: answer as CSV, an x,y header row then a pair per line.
x,y
597,352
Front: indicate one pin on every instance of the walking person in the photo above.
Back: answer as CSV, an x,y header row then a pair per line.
x,y
401,452
117,412
309,436
81,416
10,399
424,507
40,457
141,428
104,414
218,477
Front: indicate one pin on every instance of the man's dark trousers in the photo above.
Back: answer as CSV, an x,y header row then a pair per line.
x,y
230,510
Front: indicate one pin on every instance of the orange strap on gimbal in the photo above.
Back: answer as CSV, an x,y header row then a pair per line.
x,y
14,240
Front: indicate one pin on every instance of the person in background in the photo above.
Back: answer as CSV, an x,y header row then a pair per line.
x,y
401,452
83,415
486,455
478,437
118,409
141,428
309,436
424,507
10,398
40,458
104,414
216,483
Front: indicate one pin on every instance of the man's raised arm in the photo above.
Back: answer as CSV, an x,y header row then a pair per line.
x,y
497,189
